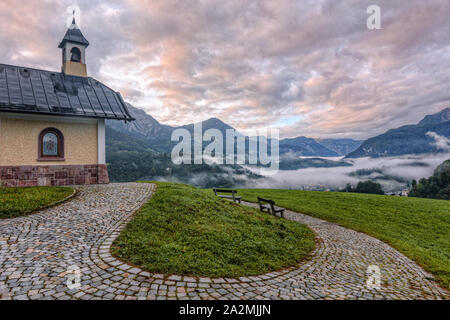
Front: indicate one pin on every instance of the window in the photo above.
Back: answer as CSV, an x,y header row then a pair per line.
x,y
51,145
76,55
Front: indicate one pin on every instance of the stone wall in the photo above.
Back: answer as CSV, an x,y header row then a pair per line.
x,y
63,175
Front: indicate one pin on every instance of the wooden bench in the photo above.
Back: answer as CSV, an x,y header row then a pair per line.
x,y
266,205
233,194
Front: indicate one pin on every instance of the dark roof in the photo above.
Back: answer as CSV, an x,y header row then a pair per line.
x,y
28,90
74,34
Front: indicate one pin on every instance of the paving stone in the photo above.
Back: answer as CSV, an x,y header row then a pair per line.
x,y
36,251
189,279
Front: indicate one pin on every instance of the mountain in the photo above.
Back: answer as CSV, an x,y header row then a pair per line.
x,y
158,136
303,146
145,128
341,146
130,159
118,141
410,139
212,123
439,117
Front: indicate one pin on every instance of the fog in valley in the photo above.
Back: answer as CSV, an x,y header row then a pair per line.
x,y
393,173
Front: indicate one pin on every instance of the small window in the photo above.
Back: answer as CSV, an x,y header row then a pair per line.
x,y
76,55
51,145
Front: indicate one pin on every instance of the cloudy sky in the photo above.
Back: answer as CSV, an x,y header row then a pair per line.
x,y
308,67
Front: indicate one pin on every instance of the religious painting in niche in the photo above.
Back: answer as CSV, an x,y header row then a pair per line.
x,y
50,145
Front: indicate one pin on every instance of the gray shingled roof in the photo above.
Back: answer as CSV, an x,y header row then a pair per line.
x,y
28,90
74,34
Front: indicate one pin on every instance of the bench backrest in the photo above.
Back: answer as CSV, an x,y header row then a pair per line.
x,y
216,191
261,200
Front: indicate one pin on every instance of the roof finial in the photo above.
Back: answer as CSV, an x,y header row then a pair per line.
x,y
74,23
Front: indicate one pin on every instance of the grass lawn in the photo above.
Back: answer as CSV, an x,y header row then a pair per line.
x,y
16,202
419,228
188,231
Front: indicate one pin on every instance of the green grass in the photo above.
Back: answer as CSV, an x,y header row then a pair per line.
x,y
188,231
16,202
419,228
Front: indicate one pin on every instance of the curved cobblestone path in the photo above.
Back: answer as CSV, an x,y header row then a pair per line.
x,y
40,254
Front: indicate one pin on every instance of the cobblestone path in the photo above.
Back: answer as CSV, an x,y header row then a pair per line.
x,y
41,255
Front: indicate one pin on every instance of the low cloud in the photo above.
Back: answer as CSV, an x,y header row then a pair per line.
x,y
441,142
392,173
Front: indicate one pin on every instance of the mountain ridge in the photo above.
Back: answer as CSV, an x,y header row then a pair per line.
x,y
303,146
341,146
409,139
442,116
158,136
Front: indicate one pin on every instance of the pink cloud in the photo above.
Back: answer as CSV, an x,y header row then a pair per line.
x,y
253,63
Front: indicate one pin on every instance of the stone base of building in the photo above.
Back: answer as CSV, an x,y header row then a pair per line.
x,y
58,175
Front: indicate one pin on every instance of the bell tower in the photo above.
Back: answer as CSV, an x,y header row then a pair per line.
x,y
73,47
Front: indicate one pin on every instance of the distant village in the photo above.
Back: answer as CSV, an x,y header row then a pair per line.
x,y
401,193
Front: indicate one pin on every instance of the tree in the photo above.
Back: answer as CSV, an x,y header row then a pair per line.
x,y
369,187
364,187
436,186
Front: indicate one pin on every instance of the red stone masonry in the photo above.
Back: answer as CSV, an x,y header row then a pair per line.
x,y
63,175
